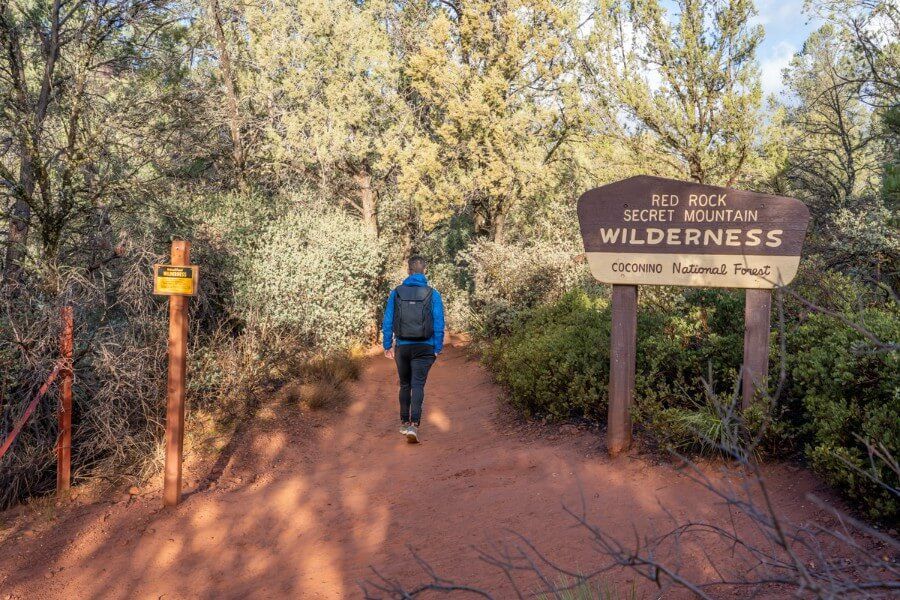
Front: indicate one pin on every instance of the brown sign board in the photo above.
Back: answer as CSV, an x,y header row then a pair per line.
x,y
175,280
654,231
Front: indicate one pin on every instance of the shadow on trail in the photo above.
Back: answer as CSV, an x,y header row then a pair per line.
x,y
305,503
215,472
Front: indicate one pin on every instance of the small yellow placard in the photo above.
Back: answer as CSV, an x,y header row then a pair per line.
x,y
175,280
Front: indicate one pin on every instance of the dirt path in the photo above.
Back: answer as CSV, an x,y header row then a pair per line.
x,y
306,504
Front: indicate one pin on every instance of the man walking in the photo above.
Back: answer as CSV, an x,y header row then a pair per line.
x,y
413,332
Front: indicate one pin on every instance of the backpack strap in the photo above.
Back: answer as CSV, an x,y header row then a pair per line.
x,y
413,293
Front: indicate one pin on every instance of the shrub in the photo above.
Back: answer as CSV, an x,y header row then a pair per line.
x,y
120,348
851,395
555,360
244,341
555,363
709,423
316,271
508,279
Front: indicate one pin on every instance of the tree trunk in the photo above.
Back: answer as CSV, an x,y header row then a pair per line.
x,y
234,117
498,227
480,223
19,221
367,201
695,168
30,161
17,235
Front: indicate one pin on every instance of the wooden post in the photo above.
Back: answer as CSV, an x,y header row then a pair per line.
x,y
178,329
757,323
64,444
622,356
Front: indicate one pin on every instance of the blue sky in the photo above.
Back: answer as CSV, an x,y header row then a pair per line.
x,y
787,27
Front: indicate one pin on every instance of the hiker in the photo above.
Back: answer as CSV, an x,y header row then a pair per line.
x,y
413,331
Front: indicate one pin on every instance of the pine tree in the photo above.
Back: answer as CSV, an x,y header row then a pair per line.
x,y
488,81
688,85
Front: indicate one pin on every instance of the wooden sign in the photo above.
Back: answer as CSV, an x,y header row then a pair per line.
x,y
178,280
654,231
175,280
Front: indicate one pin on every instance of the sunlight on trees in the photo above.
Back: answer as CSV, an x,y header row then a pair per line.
x,y
306,147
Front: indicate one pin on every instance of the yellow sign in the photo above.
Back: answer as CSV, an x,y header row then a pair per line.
x,y
175,280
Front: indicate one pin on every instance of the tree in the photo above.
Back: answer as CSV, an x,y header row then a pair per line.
x,y
690,87
325,98
835,149
66,72
229,83
841,128
488,84
870,28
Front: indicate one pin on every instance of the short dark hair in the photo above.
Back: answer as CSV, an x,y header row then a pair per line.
x,y
416,264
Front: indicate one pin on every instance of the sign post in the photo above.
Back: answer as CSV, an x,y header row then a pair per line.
x,y
654,231
64,444
757,325
622,357
178,281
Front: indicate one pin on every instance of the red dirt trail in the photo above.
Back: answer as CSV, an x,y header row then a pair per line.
x,y
303,505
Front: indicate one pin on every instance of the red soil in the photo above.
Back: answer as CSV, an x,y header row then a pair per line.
x,y
304,504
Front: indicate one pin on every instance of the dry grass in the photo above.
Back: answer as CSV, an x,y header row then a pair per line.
x,y
322,379
320,394
336,366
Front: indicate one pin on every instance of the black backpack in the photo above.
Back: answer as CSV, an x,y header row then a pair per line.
x,y
413,317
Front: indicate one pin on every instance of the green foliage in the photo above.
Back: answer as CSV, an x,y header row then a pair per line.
x,y
317,272
713,421
493,81
325,91
511,278
701,113
555,363
555,360
851,396
834,154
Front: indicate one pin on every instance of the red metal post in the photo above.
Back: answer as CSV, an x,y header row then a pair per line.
x,y
64,445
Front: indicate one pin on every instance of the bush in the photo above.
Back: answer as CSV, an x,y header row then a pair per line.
x,y
317,272
510,279
119,348
851,395
555,363
245,341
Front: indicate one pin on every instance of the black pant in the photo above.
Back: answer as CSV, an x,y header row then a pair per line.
x,y
413,363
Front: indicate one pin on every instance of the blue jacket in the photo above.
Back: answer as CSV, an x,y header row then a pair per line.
x,y
437,309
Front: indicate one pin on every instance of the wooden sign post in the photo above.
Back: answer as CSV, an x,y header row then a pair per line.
x,y
177,280
654,231
622,358
757,325
64,444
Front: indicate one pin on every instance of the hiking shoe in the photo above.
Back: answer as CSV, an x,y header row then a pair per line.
x,y
403,428
412,434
